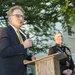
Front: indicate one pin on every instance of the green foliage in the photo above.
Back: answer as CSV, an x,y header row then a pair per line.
x,y
42,16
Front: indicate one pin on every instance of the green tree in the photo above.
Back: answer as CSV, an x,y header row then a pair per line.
x,y
42,16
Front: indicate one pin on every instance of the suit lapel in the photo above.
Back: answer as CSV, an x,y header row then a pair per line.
x,y
14,34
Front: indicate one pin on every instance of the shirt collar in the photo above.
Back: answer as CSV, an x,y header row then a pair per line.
x,y
14,28
58,45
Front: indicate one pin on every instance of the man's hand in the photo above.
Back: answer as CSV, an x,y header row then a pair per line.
x,y
27,43
67,72
34,57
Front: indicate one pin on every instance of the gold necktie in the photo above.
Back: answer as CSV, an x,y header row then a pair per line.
x,y
20,37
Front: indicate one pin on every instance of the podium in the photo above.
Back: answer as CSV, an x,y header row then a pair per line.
x,y
48,65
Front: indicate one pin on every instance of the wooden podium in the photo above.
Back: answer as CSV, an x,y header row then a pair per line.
x,y
48,65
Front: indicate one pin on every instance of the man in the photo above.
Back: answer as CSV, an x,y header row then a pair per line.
x,y
13,44
66,64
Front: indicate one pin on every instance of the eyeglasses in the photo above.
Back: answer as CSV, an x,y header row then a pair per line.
x,y
18,15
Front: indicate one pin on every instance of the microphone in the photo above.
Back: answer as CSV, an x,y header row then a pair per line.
x,y
27,35
25,22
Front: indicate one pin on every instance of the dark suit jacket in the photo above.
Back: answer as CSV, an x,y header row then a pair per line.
x,y
12,53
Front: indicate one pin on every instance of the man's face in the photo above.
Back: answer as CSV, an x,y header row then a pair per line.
x,y
16,18
59,38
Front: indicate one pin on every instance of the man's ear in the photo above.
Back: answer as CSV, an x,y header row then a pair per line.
x,y
9,18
